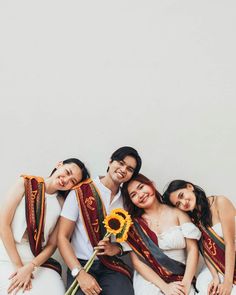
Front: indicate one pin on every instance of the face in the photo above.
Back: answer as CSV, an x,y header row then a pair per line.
x,y
184,198
122,170
141,195
66,176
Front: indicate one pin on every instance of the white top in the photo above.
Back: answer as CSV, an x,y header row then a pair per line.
x,y
19,220
173,242
80,241
18,226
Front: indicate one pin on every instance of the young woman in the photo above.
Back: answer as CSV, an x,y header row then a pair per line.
x,y
28,228
163,239
215,217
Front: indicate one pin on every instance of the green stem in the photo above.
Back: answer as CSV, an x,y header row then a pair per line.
x,y
75,285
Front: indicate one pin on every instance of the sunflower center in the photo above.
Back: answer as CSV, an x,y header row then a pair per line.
x,y
114,223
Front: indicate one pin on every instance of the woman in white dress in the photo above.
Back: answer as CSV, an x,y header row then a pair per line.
x,y
215,217
163,239
28,228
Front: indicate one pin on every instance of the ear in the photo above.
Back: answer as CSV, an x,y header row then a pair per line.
x,y
190,187
59,164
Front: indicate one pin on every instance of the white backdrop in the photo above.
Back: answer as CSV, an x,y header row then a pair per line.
x,y
82,78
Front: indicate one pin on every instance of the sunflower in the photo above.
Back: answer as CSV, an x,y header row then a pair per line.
x,y
114,223
123,213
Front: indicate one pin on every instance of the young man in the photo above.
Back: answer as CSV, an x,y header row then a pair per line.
x,y
81,229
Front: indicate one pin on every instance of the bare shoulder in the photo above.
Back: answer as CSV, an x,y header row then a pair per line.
x,y
180,215
224,204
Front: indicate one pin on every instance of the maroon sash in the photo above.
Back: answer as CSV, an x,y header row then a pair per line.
x,y
212,247
35,215
93,213
145,244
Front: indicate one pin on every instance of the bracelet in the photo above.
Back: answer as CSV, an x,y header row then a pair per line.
x,y
121,250
34,265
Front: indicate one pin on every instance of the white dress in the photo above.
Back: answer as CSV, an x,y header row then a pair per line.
x,y
46,281
173,244
205,277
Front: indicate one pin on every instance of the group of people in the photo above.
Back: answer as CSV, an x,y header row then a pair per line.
x,y
67,209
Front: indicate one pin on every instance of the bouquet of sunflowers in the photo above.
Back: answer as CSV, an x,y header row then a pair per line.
x,y
117,223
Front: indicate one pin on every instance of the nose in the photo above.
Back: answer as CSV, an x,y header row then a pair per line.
x,y
140,194
123,169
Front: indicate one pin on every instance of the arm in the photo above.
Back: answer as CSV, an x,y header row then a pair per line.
x,y
13,199
151,276
23,274
87,283
226,213
192,253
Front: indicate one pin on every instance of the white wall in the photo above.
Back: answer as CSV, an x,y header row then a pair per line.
x,y
82,78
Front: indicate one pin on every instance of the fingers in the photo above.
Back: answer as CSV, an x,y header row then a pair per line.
x,y
11,276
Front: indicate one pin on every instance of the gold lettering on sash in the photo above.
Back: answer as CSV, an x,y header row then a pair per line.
x,y
211,246
96,226
34,194
35,234
89,202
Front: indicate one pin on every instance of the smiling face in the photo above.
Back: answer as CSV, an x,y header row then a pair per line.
x,y
66,176
184,198
142,195
121,171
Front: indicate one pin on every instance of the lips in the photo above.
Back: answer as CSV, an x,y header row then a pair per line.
x,y
61,182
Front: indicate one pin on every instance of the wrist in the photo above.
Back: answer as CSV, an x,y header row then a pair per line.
x,y
33,265
121,251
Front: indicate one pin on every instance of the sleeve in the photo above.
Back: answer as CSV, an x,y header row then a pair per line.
x,y
190,231
70,209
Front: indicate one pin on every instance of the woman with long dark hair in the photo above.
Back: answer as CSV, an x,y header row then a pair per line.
x,y
28,228
215,217
163,240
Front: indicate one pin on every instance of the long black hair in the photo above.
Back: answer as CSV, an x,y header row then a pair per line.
x,y
80,164
202,210
133,210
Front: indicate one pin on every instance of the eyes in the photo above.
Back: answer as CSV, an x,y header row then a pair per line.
x,y
72,180
135,193
129,168
180,197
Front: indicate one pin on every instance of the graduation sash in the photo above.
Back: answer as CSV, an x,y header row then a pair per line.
x,y
35,215
145,244
93,213
212,247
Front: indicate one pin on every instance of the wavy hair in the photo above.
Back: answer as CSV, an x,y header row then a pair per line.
x,y
202,211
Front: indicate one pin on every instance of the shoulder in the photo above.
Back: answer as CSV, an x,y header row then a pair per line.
x,y
223,203
182,216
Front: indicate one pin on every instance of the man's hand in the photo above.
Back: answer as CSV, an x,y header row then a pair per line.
x,y
88,284
104,247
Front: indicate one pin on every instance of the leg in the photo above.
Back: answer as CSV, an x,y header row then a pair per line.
x,y
115,283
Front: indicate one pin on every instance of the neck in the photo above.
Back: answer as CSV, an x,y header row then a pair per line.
x,y
110,184
49,189
155,209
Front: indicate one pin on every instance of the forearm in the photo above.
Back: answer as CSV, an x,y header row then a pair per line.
x,y
211,268
44,255
191,264
150,275
229,262
67,252
10,245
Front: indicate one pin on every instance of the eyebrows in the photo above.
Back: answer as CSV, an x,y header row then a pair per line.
x,y
138,186
128,166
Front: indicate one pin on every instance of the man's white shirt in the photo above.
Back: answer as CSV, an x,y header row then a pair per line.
x,y
80,241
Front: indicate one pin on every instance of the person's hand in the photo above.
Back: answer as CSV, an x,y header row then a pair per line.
x,y
224,289
186,286
88,284
174,288
213,285
21,278
104,247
